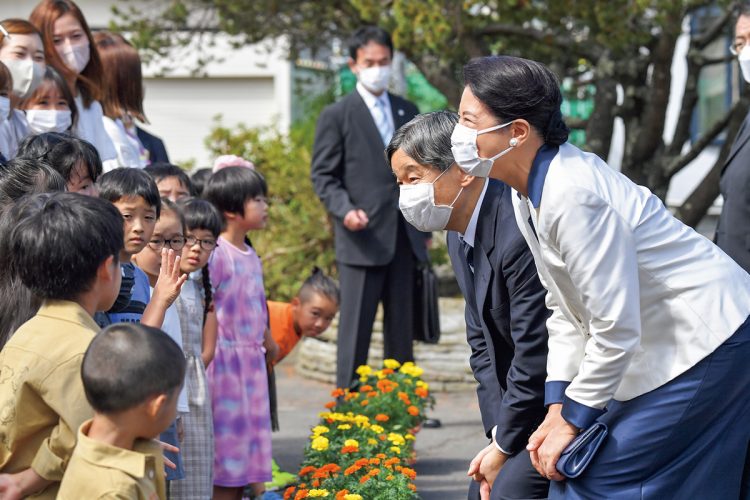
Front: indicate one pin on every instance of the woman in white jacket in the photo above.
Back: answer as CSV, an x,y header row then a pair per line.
x,y
648,332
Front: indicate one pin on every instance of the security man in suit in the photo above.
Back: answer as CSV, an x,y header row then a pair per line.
x,y
376,251
505,308
733,230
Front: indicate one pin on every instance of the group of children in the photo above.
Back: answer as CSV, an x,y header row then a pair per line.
x,y
187,341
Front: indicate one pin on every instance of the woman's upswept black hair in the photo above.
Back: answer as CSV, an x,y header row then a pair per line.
x,y
318,282
513,88
129,182
229,188
127,363
201,214
63,152
57,250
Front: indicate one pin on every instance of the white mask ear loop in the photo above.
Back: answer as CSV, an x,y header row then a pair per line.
x,y
496,127
459,191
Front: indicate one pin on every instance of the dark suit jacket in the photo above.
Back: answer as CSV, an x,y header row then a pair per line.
x,y
733,231
155,146
505,321
349,171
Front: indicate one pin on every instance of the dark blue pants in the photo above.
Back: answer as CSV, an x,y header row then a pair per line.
x,y
686,439
517,480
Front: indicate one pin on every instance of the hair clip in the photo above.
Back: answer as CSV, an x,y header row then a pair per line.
x,y
4,31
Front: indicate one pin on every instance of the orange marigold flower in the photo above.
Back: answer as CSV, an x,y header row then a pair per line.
x,y
337,392
410,473
364,479
341,494
330,404
331,468
365,402
300,494
361,462
306,470
374,461
421,392
389,477
381,456
315,483
387,371
413,411
382,437
372,394
349,449
288,493
320,474
392,461
386,385
381,417
411,487
365,388
351,470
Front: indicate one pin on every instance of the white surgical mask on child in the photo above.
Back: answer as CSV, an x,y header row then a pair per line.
x,y
48,120
77,56
417,203
4,109
27,75
376,78
466,153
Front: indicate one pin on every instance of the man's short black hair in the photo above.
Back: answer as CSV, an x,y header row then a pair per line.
x,y
127,363
63,152
229,188
23,176
129,182
162,170
57,251
366,34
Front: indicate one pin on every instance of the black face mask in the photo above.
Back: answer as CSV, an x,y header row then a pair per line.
x,y
126,288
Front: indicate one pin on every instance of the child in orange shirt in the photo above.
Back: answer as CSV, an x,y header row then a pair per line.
x,y
308,315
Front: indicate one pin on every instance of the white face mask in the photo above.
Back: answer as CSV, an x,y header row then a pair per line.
x,y
48,120
744,59
417,203
4,109
76,57
466,154
376,78
26,74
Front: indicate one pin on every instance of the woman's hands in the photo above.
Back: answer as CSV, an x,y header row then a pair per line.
x,y
547,443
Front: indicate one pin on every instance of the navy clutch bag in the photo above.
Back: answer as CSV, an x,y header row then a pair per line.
x,y
577,455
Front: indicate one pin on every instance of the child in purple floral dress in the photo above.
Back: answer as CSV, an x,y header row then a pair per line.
x,y
237,376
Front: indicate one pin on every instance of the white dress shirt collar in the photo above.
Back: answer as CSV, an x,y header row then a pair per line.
x,y
371,99
471,229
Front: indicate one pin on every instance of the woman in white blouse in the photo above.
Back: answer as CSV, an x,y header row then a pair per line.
x,y
648,332
70,49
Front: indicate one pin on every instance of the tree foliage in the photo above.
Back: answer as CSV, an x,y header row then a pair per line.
x,y
619,44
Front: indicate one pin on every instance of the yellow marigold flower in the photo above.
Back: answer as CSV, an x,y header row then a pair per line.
x,y
364,370
396,450
372,441
409,437
380,374
361,420
319,429
317,493
391,363
376,429
352,496
351,442
344,427
396,438
319,443
422,383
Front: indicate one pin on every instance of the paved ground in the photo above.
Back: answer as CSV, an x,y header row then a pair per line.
x,y
443,454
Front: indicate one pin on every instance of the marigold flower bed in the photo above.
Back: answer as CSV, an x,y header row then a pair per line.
x,y
364,444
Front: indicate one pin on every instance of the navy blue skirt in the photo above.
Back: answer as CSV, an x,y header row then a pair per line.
x,y
687,439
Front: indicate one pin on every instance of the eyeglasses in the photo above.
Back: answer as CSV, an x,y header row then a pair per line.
x,y
737,47
205,244
176,243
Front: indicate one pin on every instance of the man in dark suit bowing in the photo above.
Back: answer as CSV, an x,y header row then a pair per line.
x,y
505,309
733,230
376,251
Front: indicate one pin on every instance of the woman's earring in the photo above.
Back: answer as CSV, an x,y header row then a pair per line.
x,y
513,142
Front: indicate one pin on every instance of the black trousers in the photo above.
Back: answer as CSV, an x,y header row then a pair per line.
x,y
362,288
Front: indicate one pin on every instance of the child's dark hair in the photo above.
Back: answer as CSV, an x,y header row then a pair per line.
x,y
162,170
22,176
63,152
170,206
53,77
201,214
127,363
198,180
319,283
229,188
6,79
129,182
57,251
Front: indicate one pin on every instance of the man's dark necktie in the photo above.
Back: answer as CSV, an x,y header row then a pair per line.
x,y
468,254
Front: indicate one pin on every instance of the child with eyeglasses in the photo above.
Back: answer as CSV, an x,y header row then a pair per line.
x,y
168,234
199,328
238,377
